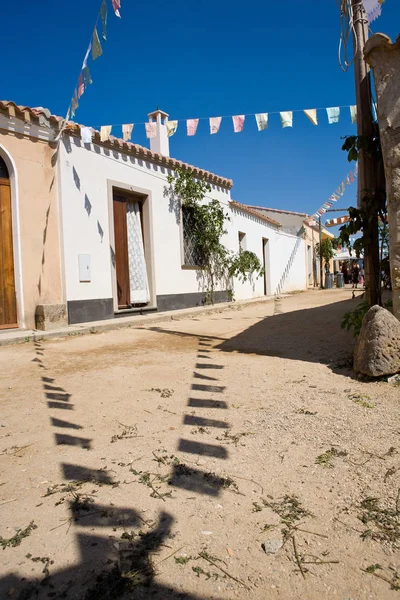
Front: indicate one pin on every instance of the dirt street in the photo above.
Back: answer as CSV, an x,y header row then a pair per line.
x,y
226,456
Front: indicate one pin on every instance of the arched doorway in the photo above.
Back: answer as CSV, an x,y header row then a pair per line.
x,y
8,302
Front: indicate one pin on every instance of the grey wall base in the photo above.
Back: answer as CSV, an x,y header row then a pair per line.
x,y
178,301
84,311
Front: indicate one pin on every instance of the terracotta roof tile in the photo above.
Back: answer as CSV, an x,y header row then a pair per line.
x,y
43,116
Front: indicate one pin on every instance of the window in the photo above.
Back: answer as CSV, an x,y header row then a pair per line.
x,y
191,255
242,241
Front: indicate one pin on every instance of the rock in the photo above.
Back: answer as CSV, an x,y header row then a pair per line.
x,y
377,350
272,546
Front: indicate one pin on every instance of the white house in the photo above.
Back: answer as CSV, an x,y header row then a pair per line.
x,y
125,245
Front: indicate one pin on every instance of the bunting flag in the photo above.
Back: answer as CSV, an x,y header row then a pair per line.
x,y
116,6
86,76
238,123
262,121
287,118
339,192
84,64
191,126
86,134
215,124
105,131
333,114
96,46
74,102
373,9
81,85
311,113
127,131
150,129
353,114
96,50
103,14
171,126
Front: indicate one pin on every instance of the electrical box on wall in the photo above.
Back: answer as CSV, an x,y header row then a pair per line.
x,y
84,267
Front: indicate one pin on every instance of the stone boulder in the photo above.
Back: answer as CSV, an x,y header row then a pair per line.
x,y
377,350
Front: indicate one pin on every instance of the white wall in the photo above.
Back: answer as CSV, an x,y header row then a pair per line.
x,y
285,265
87,176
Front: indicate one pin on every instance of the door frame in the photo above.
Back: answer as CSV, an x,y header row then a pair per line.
x,y
266,265
147,229
16,236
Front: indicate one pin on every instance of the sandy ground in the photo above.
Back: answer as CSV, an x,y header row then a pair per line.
x,y
228,456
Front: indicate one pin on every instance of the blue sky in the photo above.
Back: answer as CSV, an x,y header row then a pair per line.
x,y
201,59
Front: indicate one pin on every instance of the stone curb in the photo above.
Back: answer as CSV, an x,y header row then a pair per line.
x,y
22,337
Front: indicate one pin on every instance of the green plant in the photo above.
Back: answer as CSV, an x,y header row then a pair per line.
x,y
244,264
325,251
353,320
207,224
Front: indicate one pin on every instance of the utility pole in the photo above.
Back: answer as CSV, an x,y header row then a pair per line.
x,y
367,164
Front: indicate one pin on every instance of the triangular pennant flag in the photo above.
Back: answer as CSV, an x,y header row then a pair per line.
x,y
311,113
215,124
84,64
333,114
86,134
336,197
171,126
86,76
347,180
116,6
287,118
343,187
353,114
191,126
105,131
351,177
74,102
150,129
127,131
356,170
238,123
373,9
96,46
103,14
81,86
262,121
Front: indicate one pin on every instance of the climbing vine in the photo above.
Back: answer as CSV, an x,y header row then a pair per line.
x,y
207,221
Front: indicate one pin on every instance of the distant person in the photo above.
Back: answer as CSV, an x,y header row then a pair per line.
x,y
355,275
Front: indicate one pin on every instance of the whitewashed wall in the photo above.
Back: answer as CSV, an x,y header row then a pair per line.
x,y
285,264
87,175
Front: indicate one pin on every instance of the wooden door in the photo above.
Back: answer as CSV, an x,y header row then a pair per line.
x,y
121,251
8,301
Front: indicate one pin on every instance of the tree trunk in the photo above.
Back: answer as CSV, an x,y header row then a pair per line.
x,y
384,58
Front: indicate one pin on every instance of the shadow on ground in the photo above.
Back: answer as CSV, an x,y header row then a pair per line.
x,y
311,335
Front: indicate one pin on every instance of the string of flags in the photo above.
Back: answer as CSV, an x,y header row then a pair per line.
x,y
373,9
351,177
238,122
94,50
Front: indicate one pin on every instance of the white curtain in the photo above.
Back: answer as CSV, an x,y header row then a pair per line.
x,y
139,286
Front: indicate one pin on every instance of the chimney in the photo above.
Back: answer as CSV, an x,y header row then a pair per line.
x,y
159,143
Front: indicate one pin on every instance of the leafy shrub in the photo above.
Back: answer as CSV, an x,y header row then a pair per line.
x,y
353,320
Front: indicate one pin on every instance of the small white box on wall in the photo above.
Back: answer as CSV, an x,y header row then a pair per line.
x,y
84,267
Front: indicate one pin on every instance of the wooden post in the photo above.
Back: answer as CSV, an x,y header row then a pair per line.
x,y
367,164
